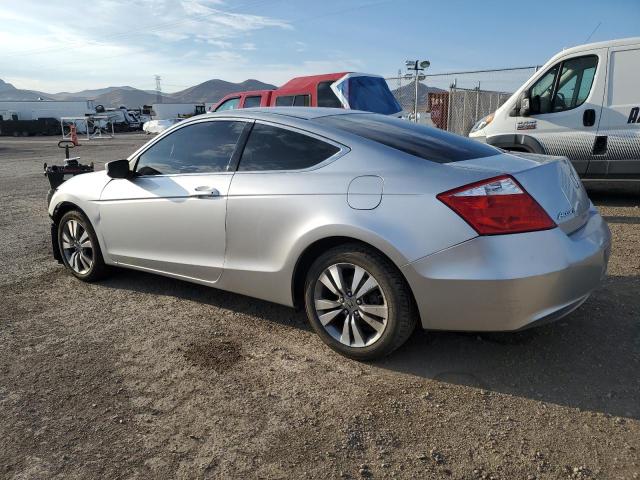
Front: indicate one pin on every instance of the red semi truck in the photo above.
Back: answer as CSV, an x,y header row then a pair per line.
x,y
357,91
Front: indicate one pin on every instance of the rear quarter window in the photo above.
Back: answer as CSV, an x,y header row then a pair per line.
x,y
418,140
275,148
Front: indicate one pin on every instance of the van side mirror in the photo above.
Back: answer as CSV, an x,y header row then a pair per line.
x,y
118,169
525,104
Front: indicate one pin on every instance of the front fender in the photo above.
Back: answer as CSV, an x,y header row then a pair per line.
x,y
81,192
516,141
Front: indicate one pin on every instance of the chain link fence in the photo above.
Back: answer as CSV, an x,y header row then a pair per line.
x,y
457,100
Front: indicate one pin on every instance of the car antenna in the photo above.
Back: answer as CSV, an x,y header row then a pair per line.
x,y
594,31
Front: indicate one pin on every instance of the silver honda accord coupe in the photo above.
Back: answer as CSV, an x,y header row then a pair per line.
x,y
370,223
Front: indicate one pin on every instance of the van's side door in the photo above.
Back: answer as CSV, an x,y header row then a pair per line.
x,y
565,107
618,153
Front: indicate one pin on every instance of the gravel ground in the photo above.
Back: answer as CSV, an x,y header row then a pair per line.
x,y
146,377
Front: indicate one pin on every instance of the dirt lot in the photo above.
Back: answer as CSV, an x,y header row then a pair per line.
x,y
146,377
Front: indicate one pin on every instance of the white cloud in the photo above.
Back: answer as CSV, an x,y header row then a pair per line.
x,y
119,42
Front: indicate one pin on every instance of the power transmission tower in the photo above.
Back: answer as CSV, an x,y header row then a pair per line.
x,y
158,89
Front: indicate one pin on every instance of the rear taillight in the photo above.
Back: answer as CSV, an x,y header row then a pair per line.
x,y
497,206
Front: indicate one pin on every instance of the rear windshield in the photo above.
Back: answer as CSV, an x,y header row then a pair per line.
x,y
424,142
370,94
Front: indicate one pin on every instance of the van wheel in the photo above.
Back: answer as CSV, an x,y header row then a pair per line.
x,y
79,248
358,302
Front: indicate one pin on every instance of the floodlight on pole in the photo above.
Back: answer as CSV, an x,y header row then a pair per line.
x,y
417,66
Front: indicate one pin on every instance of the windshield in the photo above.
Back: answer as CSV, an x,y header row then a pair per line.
x,y
419,140
370,94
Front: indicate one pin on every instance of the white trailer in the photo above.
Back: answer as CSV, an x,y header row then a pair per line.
x,y
35,109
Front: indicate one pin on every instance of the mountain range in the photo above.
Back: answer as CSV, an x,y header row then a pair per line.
x,y
406,94
209,91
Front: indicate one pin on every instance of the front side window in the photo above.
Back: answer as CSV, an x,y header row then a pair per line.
x,y
230,104
542,92
565,86
575,82
274,148
250,102
199,148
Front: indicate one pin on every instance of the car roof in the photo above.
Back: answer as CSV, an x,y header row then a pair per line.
x,y
297,117
306,113
592,46
302,84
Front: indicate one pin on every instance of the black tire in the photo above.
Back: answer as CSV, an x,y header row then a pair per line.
x,y
98,269
401,316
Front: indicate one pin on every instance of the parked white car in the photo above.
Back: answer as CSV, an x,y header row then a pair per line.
x,y
158,126
584,104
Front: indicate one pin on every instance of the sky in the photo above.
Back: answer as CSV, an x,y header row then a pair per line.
x,y
70,45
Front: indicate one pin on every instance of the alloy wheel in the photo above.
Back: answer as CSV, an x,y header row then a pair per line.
x,y
350,305
77,247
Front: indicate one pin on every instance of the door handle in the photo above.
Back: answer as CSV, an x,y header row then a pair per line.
x,y
589,117
204,192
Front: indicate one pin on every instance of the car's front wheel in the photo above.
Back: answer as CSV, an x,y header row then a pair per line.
x,y
79,247
358,302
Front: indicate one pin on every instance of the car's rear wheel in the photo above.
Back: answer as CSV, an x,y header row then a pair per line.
x,y
79,247
358,302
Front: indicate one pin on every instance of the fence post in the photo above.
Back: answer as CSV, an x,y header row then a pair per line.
x,y
415,101
449,99
475,118
464,110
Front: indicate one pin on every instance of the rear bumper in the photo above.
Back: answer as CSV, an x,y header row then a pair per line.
x,y
510,282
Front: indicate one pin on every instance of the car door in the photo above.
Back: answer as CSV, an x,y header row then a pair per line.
x,y
618,153
565,107
276,190
170,216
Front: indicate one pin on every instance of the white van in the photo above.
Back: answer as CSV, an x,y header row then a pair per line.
x,y
584,103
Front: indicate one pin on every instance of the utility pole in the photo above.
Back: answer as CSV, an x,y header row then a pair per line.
x,y
416,66
158,89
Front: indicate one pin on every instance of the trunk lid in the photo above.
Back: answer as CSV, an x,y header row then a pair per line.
x,y
551,181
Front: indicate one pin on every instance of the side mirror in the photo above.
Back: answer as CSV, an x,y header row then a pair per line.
x,y
118,169
525,104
